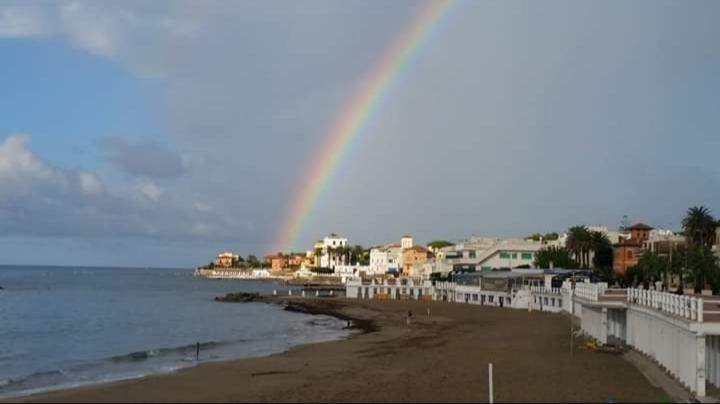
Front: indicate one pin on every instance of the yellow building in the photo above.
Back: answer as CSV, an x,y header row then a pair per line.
x,y
414,255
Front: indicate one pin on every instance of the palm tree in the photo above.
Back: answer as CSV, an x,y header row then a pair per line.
x,y
579,242
699,227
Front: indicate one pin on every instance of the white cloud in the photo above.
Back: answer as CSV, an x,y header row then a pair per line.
x,y
149,190
88,29
23,21
20,168
89,183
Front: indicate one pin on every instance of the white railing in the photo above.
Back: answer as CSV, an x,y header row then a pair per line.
x,y
688,307
445,285
544,290
590,291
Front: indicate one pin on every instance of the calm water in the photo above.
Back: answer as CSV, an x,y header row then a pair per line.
x,y
63,326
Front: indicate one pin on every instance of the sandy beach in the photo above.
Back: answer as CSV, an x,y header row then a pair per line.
x,y
441,357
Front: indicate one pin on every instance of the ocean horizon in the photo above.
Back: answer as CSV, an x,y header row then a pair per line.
x,y
70,326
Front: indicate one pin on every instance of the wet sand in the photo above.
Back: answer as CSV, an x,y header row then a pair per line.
x,y
440,358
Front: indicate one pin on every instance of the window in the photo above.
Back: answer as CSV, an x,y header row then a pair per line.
x,y
527,256
514,255
504,255
472,254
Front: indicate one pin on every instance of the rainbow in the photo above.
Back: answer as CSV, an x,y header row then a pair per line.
x,y
354,117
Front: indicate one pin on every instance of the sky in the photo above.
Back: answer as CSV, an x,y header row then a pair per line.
x,y
162,133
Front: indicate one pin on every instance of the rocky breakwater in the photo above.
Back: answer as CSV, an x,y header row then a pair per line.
x,y
240,297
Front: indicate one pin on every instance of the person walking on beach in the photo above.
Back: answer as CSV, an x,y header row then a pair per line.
x,y
408,318
197,351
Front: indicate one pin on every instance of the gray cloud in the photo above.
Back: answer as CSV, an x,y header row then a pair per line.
x,y
512,118
145,159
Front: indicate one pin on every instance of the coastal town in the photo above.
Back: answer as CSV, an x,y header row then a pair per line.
x,y
629,255
651,289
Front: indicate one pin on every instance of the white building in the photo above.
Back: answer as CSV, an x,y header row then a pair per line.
x,y
488,253
386,259
330,255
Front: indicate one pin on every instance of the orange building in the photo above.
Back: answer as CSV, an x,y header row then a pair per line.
x,y
414,255
628,252
276,262
279,262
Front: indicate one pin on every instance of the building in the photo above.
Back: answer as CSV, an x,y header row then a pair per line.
x,y
386,259
492,253
406,242
227,260
628,251
276,262
414,256
332,251
285,261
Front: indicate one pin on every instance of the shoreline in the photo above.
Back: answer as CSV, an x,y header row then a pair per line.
x,y
440,357
358,326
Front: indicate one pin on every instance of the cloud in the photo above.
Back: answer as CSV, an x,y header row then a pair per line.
x,y
89,184
18,21
511,118
20,170
150,190
144,159
40,200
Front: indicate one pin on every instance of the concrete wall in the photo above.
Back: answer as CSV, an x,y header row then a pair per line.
x,y
669,342
592,323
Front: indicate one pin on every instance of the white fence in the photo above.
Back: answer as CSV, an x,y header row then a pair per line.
x,y
683,306
590,291
545,291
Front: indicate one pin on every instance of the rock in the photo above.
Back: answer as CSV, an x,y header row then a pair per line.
x,y
240,297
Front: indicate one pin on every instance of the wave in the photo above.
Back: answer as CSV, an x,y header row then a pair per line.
x,y
183,349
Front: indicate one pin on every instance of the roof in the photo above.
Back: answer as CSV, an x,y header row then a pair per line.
x,y
640,226
418,248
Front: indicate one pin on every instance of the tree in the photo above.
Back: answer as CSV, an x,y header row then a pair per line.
x,y
437,244
579,243
602,250
558,256
253,262
699,227
649,269
359,255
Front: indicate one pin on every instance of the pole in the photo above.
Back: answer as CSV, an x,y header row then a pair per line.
x,y
490,383
572,314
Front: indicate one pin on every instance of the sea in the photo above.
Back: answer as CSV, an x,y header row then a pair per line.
x,y
65,327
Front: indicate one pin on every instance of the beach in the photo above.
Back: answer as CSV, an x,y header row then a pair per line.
x,y
438,358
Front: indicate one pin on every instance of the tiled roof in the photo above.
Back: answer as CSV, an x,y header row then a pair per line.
x,y
640,226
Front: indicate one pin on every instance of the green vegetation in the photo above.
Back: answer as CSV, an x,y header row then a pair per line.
x,y
543,237
581,242
694,263
558,256
437,244
253,262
